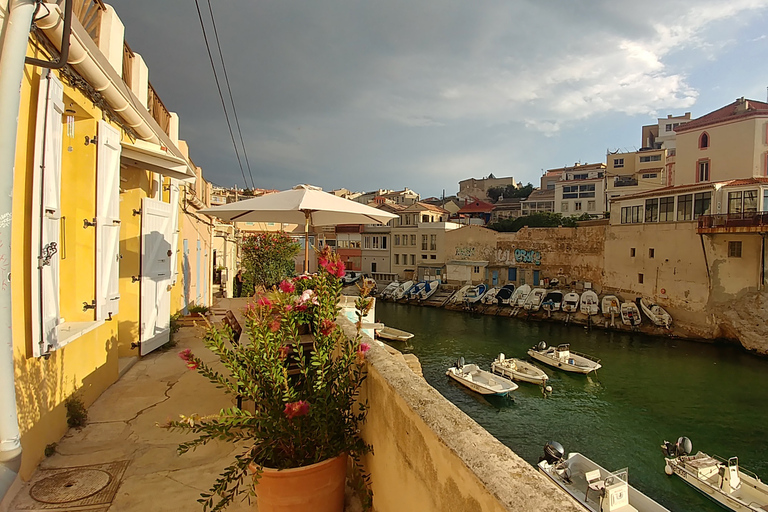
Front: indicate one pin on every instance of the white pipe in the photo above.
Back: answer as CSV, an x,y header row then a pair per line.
x,y
14,50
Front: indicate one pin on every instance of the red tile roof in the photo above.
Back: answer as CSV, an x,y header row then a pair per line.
x,y
739,109
420,207
477,206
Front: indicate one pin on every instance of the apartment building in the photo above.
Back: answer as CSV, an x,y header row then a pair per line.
x,y
543,198
580,190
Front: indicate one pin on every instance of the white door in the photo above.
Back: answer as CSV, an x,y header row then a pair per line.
x,y
156,274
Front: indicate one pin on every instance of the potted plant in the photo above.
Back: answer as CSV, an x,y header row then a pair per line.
x,y
307,415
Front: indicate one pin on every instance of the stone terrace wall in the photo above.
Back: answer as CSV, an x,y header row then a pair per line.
x,y
431,457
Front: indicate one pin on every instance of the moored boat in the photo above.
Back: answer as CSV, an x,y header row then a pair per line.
x,y
479,381
571,302
520,295
458,297
490,295
611,305
630,315
473,295
389,289
594,487
392,334
552,300
504,295
428,290
416,290
656,313
722,480
563,358
533,302
589,303
401,290
519,370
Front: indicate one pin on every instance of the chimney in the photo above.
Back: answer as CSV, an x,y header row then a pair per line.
x,y
742,105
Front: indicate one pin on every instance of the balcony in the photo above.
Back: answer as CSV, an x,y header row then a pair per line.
x,y
624,181
748,222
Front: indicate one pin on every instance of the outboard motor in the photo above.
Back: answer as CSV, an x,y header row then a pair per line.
x,y
553,452
683,446
541,347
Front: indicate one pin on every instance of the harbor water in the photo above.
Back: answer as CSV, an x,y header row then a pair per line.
x,y
650,389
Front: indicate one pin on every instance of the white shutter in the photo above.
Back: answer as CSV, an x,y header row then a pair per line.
x,y
156,254
46,215
107,221
174,226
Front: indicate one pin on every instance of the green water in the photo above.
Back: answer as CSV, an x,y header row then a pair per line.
x,y
649,390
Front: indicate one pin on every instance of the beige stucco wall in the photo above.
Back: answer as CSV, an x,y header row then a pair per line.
x,y
473,246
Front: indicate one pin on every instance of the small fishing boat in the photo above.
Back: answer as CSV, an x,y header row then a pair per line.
x,y
564,358
571,302
533,302
630,315
473,295
458,297
479,381
590,304
520,295
519,370
504,295
552,301
428,290
722,480
392,334
415,290
611,305
490,295
591,485
401,290
656,313
389,289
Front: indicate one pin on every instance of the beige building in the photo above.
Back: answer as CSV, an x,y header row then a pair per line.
x,y
542,199
580,190
636,171
478,189
418,241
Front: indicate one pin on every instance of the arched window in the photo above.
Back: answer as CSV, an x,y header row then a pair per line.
x,y
704,141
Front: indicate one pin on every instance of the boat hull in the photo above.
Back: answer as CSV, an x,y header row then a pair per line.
x,y
484,383
565,365
391,334
535,377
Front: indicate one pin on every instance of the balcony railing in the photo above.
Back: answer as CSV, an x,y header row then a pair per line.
x,y
744,222
157,109
88,13
620,181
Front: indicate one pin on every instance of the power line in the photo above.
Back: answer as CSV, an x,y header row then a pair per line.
x,y
221,96
231,98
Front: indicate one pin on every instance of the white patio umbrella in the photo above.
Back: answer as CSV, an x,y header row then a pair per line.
x,y
303,203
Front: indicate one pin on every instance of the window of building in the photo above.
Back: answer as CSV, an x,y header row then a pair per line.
x,y
750,201
651,253
668,128
636,216
651,210
590,206
367,242
425,218
433,256
734,202
734,249
587,190
650,158
413,240
564,207
666,209
632,252
570,192
397,240
685,207
397,259
423,256
701,204
618,162
413,259
702,173
640,278
423,242
650,175
384,242
631,214
476,270
577,206
432,242
704,141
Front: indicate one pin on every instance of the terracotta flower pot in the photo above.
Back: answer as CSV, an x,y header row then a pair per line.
x,y
316,488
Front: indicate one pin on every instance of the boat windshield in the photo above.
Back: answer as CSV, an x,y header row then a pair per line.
x,y
620,475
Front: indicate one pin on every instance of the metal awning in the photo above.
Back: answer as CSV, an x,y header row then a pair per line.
x,y
152,157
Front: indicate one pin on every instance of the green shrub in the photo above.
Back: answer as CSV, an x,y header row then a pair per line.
x,y
77,414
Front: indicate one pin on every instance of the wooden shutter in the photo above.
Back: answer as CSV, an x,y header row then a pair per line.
x,y
46,215
174,227
107,221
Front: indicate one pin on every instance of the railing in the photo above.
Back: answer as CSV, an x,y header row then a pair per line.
x,y
88,13
624,182
157,109
757,220
127,59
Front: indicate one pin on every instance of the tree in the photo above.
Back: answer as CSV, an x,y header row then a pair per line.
x,y
537,220
267,259
509,191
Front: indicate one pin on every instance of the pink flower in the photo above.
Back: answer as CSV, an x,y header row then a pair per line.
x,y
282,353
274,326
308,296
264,301
364,347
288,307
323,262
186,354
296,409
192,365
337,269
326,327
287,287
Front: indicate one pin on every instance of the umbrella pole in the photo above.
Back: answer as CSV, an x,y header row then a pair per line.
x,y
306,242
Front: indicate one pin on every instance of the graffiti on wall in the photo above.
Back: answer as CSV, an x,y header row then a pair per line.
x,y
465,252
523,256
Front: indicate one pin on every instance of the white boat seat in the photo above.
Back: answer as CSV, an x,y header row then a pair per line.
x,y
594,483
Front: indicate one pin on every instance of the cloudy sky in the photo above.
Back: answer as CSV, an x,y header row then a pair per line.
x,y
424,93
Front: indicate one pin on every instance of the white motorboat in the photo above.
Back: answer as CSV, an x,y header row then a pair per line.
x,y
458,297
389,289
401,290
479,381
416,290
590,304
392,334
611,305
519,370
504,295
656,313
490,295
473,295
722,480
552,300
630,315
533,302
428,290
564,358
594,487
571,302
520,295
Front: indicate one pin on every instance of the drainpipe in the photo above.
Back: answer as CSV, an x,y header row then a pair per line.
x,y
14,50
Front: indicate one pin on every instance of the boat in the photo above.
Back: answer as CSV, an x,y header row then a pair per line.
x,y
490,295
630,315
724,481
594,487
415,290
533,302
552,300
475,294
458,297
519,370
479,381
392,334
428,290
590,303
389,289
401,290
611,305
520,295
571,302
564,358
504,295
656,313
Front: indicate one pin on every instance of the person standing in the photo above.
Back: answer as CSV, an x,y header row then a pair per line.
x,y
239,283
